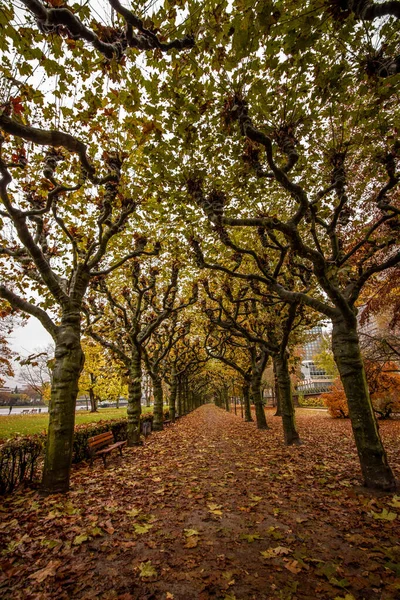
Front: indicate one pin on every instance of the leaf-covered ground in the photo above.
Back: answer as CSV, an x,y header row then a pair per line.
x,y
212,508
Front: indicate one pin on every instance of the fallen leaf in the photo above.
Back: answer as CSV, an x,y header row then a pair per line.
x,y
142,528
385,515
250,537
48,571
80,539
190,532
293,566
192,542
395,502
134,512
147,570
278,551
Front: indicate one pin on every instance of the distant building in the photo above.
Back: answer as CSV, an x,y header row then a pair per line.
x,y
314,346
314,379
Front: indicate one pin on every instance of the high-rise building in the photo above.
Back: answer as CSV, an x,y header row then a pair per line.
x,y
314,346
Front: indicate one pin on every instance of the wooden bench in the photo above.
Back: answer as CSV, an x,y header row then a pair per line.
x,y
103,444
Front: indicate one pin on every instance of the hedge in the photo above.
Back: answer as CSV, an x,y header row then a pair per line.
x,y
310,402
18,461
20,457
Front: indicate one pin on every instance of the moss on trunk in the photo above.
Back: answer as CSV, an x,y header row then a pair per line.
x,y
69,361
258,403
158,403
346,350
246,401
172,395
134,398
286,399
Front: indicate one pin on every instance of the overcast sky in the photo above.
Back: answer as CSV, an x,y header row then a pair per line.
x,y
24,340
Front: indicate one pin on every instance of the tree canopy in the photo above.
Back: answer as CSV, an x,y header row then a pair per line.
x,y
250,146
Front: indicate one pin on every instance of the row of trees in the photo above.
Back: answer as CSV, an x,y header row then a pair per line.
x,y
106,181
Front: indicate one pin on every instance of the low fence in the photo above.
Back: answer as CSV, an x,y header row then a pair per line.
x,y
21,458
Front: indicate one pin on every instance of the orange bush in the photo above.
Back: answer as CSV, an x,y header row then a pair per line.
x,y
384,386
335,401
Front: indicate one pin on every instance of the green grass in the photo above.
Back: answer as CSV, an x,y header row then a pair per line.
x,y
13,425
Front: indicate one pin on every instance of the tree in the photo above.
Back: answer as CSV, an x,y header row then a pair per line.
x,y
101,377
46,212
36,372
124,320
325,359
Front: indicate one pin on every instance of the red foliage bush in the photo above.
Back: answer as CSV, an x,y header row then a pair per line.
x,y
384,386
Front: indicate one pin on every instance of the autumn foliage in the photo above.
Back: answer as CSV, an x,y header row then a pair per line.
x,y
384,386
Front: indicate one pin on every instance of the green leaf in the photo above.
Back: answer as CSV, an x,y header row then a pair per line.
x,y
142,528
190,532
80,539
51,543
251,537
96,532
385,515
147,570
134,512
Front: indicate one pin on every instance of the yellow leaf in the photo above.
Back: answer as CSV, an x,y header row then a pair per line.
x,y
80,539
385,515
142,528
133,512
147,570
278,551
190,532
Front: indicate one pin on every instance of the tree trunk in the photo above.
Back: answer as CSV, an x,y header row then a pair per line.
x,y
172,395
225,393
246,401
69,360
179,397
278,412
346,350
158,404
93,401
257,399
286,400
134,398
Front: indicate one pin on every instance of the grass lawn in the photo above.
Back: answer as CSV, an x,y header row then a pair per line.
x,y
13,425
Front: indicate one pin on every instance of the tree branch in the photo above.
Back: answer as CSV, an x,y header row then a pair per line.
x,y
20,304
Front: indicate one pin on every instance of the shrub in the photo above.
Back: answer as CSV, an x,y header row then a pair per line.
x,y
310,401
384,385
336,402
19,457
19,460
84,432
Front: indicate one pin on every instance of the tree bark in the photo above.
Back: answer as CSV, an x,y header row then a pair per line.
x,y
246,401
172,395
257,399
286,399
179,397
278,412
92,397
225,393
134,398
346,350
158,404
69,360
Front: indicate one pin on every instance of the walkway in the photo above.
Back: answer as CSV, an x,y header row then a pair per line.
x,y
211,508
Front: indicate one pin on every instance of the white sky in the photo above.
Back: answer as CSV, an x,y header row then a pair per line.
x,y
24,340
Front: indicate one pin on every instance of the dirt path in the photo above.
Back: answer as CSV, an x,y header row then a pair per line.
x,y
211,508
